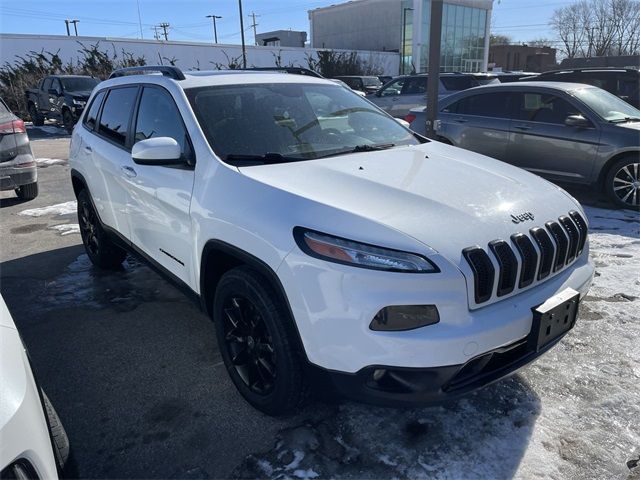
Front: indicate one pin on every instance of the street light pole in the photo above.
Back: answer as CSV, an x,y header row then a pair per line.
x,y
215,31
435,31
244,48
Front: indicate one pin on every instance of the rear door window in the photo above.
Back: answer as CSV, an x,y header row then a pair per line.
x,y
496,105
393,88
92,114
461,82
158,116
116,113
544,108
415,86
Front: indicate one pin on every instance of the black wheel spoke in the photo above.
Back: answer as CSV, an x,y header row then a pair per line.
x,y
249,344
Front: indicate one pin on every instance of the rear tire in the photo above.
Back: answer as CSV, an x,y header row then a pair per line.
x,y
36,117
59,437
28,191
622,183
258,342
102,252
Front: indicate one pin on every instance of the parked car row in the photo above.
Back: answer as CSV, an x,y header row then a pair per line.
x,y
566,132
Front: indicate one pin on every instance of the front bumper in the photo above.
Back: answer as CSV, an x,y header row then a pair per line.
x,y
333,306
393,386
17,172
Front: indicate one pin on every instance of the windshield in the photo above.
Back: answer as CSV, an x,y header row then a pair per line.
x,y
294,121
607,105
78,84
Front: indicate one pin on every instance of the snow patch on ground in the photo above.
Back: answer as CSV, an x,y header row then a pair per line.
x,y
65,208
575,413
67,228
47,162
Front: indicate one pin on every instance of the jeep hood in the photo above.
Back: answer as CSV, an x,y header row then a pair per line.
x,y
445,197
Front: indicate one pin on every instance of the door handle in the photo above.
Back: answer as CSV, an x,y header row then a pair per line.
x,y
128,171
522,127
460,120
87,149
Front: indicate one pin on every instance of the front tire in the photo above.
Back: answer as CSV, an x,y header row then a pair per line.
x,y
60,441
28,191
258,342
100,249
622,183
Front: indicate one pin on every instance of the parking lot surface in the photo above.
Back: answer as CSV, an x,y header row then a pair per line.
x,y
133,369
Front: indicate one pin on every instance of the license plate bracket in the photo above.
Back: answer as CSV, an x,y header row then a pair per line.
x,y
553,318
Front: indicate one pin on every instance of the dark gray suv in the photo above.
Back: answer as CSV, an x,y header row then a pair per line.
x,y
17,166
566,132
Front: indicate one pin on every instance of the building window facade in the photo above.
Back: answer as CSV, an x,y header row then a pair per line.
x,y
463,40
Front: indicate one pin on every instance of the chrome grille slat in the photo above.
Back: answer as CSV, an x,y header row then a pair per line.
x,y
562,244
527,259
508,266
574,237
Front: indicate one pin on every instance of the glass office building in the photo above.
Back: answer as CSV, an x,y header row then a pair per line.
x,y
464,39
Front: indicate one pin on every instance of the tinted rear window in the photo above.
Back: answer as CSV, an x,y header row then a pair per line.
x,y
459,83
114,121
494,105
92,113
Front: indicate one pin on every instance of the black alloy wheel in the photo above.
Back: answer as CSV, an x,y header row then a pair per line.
x,y
249,344
100,248
258,341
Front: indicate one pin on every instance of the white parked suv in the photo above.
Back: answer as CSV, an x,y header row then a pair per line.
x,y
328,242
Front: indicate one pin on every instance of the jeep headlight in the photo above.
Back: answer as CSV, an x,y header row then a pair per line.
x,y
348,252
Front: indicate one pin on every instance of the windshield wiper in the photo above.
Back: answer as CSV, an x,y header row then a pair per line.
x,y
625,119
267,158
372,148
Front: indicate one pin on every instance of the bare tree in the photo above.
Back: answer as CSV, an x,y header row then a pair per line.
x,y
540,42
497,39
591,28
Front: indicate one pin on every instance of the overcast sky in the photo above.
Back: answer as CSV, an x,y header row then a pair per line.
x,y
521,19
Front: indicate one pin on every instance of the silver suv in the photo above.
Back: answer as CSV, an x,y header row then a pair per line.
x,y
566,132
404,93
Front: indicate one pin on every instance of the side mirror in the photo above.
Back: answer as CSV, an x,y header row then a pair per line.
x,y
157,151
577,121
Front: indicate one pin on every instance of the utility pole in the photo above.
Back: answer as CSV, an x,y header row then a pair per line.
x,y
164,26
139,19
435,31
244,48
404,38
215,31
254,25
66,23
75,25
156,35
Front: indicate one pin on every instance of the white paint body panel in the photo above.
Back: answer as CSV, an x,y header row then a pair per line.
x,y
431,199
23,426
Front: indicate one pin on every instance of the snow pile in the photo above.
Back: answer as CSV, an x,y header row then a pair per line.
x,y
67,228
575,413
47,162
65,208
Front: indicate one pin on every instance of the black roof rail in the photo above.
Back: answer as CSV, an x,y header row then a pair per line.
x,y
582,69
165,70
293,70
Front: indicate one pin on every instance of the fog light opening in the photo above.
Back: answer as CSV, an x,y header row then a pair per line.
x,y
404,317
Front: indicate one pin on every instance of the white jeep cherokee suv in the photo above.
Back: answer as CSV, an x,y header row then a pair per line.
x,y
327,241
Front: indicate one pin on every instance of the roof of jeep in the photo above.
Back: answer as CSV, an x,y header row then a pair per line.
x,y
199,78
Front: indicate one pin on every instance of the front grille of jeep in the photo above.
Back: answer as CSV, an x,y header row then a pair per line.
x,y
529,258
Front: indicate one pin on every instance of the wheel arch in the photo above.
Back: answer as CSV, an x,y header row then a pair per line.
x,y
78,182
604,171
218,257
